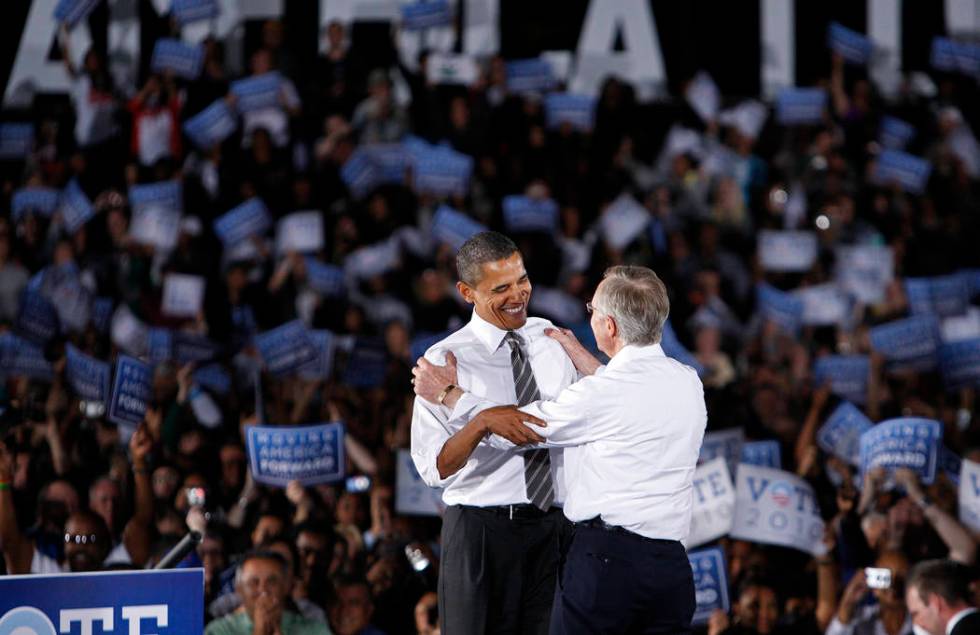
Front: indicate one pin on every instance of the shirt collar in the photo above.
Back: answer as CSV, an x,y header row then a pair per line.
x,y
491,335
953,621
632,351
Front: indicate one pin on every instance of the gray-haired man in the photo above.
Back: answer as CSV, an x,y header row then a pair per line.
x,y
631,432
499,537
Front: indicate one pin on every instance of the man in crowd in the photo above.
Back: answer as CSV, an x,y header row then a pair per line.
x,y
501,511
939,600
631,432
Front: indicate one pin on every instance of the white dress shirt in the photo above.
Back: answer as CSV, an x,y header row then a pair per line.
x,y
491,476
631,433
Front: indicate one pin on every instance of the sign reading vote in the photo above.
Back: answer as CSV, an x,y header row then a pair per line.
x,y
87,376
910,442
111,602
724,443
308,454
841,433
714,503
285,348
710,583
764,453
970,494
131,391
776,508
412,496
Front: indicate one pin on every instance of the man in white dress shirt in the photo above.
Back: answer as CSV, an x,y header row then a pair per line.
x,y
631,431
499,558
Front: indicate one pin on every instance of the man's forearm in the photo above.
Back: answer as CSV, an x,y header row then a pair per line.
x,y
458,448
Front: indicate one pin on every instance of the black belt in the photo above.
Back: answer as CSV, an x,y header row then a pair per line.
x,y
520,511
599,523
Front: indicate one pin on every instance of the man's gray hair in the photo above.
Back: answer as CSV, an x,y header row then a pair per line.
x,y
637,299
480,249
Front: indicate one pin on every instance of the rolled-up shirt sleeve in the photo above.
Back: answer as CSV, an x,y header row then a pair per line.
x,y
429,434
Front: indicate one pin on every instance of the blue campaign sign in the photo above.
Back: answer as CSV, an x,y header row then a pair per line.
x,y
183,59
309,454
366,366
34,200
673,348
894,133
908,344
162,194
87,376
442,172
131,391
360,173
426,15
424,341
322,365
22,358
840,434
796,106
324,278
959,363
378,164
846,374
258,92
910,172
578,111
159,345
944,296
212,125
167,602
951,464
188,11
454,228
285,348
37,318
16,140
952,56
240,223
785,309
71,12
764,453
904,442
194,347
726,444
851,45
214,377
76,208
525,214
533,75
102,309
710,583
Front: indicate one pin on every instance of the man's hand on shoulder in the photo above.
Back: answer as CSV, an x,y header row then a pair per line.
x,y
583,360
510,423
431,381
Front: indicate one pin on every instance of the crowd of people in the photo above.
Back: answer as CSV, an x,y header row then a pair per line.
x,y
79,493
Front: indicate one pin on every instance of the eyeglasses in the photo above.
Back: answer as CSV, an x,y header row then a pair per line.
x,y
81,539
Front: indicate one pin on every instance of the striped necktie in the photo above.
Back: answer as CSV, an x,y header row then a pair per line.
x,y
537,463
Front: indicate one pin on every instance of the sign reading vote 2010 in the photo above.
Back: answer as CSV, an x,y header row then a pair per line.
x,y
123,603
777,508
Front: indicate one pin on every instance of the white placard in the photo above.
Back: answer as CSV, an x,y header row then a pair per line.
x,y
183,295
970,494
961,327
128,332
452,69
787,250
301,232
412,496
155,226
714,503
864,271
622,221
703,95
776,508
823,304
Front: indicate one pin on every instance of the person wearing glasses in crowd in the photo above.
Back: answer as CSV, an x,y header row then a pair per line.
x,y
502,515
631,431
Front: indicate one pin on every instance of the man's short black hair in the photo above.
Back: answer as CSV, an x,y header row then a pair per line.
x,y
948,579
480,249
262,554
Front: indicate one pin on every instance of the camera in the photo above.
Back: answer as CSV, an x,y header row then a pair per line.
x,y
420,562
878,578
196,496
358,484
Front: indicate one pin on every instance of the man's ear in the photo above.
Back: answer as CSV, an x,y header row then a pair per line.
x,y
466,291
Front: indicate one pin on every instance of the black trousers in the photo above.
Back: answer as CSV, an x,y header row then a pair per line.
x,y
612,582
497,574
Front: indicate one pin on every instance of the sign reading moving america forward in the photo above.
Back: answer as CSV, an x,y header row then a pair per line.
x,y
134,602
308,454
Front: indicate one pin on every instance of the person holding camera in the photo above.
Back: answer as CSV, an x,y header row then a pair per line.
x,y
939,599
886,581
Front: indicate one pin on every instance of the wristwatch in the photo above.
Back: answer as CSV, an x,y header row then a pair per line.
x,y
445,393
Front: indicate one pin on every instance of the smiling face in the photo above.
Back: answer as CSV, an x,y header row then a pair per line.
x,y
502,293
